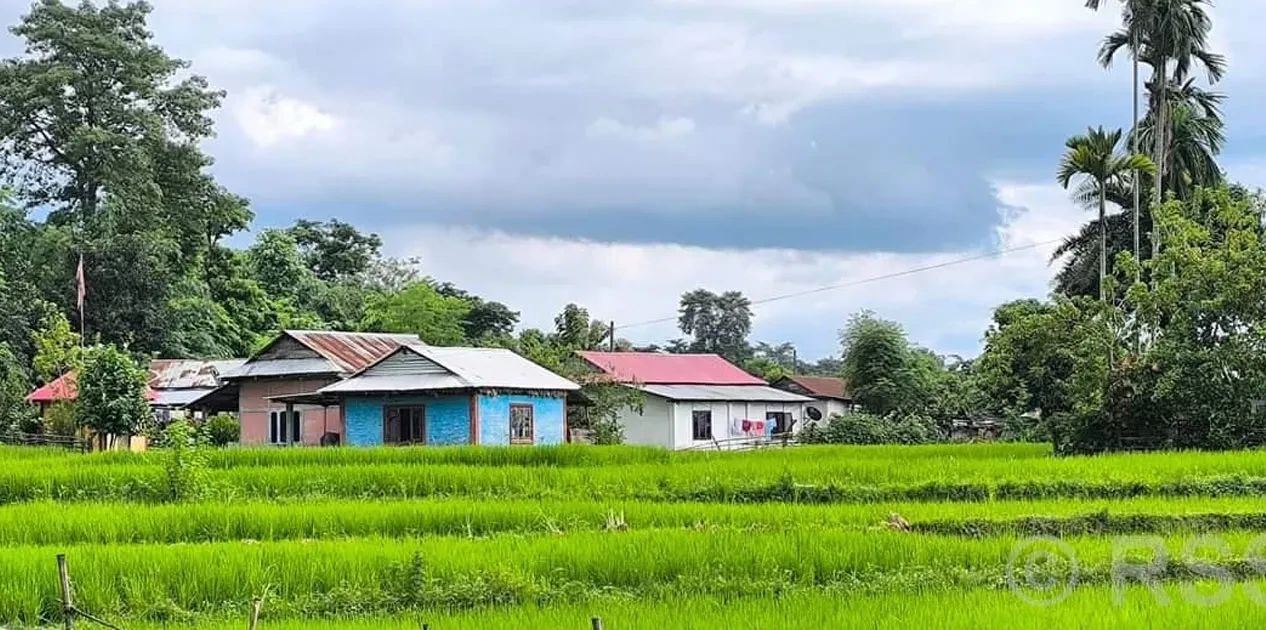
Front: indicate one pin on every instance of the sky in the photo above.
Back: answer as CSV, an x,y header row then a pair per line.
x,y
616,154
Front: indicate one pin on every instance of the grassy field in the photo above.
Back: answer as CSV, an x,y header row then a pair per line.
x,y
537,538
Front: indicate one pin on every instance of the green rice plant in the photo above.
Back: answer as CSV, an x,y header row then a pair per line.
x,y
1091,608
48,523
370,575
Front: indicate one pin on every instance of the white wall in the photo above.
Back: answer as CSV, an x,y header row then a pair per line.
x,y
723,415
652,426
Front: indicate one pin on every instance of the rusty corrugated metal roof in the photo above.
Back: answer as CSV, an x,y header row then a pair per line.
x,y
189,373
351,352
819,386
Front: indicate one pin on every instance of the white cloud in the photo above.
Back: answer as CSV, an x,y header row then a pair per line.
x,y
667,128
946,309
268,117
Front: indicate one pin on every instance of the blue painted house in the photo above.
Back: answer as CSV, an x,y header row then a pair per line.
x,y
422,394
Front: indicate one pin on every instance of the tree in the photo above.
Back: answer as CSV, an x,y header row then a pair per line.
x,y
1179,363
1095,156
1027,364
14,384
278,265
101,128
57,347
420,310
574,329
1161,33
884,373
1130,8
719,324
486,320
334,250
112,393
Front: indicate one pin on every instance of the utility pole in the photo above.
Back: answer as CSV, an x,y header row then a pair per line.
x,y
612,335
795,361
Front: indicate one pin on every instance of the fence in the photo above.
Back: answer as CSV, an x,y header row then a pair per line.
x,y
68,442
748,443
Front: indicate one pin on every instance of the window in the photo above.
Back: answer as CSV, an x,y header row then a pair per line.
x,y
782,421
522,425
702,421
283,430
404,425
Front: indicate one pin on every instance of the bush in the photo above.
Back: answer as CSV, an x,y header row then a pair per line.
x,y
185,462
865,428
62,418
222,430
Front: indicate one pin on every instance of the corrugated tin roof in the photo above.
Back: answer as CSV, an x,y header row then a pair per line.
x,y
670,369
464,368
736,393
189,373
177,397
351,352
64,387
282,367
819,386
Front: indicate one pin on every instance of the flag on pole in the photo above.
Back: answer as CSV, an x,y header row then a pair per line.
x,y
81,286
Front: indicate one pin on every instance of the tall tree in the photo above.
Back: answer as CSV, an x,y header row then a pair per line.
x,y
884,372
420,310
1130,8
1095,156
102,128
1172,37
719,323
334,250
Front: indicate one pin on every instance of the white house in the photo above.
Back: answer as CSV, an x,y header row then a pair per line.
x,y
830,395
697,400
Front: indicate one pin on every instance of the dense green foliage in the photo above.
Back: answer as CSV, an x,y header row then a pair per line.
x,y
112,391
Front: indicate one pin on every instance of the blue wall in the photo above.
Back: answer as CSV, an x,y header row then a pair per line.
x,y
549,416
447,419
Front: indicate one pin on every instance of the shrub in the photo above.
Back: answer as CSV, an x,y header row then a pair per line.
x,y
222,430
865,428
186,462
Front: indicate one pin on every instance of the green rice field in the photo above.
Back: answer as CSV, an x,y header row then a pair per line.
x,y
814,537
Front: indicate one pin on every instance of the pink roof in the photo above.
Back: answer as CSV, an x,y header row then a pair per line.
x,y
65,387
651,368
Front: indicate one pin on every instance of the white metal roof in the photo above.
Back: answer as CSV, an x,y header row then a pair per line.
x,y
422,368
176,397
281,367
736,393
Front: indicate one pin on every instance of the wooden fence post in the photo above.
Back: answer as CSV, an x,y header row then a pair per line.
x,y
68,604
597,623
255,606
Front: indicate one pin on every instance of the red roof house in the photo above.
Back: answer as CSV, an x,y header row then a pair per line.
x,y
652,368
64,387
697,400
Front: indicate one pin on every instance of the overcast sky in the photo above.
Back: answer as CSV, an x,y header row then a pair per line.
x,y
617,153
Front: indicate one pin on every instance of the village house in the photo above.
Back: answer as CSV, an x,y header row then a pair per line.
x,y
420,394
830,395
697,400
296,362
173,383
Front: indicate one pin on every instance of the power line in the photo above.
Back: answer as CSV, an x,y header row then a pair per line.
x,y
887,276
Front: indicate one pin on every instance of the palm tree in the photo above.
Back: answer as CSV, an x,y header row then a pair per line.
x,y
1131,8
1196,118
1095,157
1161,32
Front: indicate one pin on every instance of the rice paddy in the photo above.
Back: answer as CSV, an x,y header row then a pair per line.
x,y
644,538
